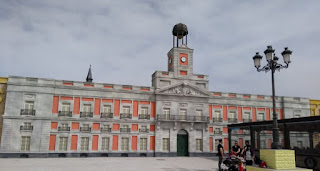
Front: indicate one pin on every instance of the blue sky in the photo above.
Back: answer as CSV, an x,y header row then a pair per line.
x,y
126,41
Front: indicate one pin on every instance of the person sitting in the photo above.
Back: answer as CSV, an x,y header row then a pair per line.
x,y
249,155
235,150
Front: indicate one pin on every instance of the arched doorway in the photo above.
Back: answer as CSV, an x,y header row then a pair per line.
x,y
182,143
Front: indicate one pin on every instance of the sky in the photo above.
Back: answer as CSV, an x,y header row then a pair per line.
x,y
127,41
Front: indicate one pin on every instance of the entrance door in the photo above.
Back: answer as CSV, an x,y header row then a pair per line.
x,y
182,143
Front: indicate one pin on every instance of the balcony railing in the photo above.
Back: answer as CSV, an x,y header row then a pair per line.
x,y
125,116
85,129
144,130
232,120
30,112
246,120
218,132
86,114
183,118
106,115
125,129
105,129
65,113
63,128
26,128
145,116
217,119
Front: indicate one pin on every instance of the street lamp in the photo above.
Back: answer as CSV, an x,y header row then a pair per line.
x,y
272,66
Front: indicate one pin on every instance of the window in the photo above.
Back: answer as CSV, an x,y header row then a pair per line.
x,y
65,107
106,109
143,144
217,131
29,105
232,115
126,109
143,128
125,144
25,143
260,117
64,125
297,116
144,111
63,143
105,143
183,112
262,144
166,112
125,126
217,114
299,144
87,108
199,112
198,144
84,143
165,144
106,127
27,125
246,116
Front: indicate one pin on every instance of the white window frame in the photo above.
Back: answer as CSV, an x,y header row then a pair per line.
x,y
143,144
124,144
199,145
25,143
63,143
84,144
166,144
105,143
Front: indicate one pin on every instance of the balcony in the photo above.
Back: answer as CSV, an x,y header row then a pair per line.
x,y
26,128
105,129
106,115
125,116
65,113
144,130
217,119
85,129
246,120
86,114
183,118
63,128
145,116
125,129
218,132
29,112
232,120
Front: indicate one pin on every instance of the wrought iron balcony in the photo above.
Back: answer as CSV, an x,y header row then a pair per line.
x,y
106,115
63,128
26,128
30,112
217,119
65,113
86,114
218,132
105,129
144,130
85,129
125,129
246,120
232,120
145,116
183,118
125,116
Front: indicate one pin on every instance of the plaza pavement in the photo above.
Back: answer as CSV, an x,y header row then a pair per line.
x,y
110,164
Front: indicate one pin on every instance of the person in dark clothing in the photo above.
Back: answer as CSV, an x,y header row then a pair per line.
x,y
236,149
220,153
249,155
244,148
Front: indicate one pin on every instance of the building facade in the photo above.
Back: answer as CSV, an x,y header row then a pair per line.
x,y
176,116
3,92
315,111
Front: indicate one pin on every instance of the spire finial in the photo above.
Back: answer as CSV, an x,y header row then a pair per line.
x,y
89,76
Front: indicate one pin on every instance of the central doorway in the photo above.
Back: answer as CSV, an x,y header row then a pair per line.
x,y
182,143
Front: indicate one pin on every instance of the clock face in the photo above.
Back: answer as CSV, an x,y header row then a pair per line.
x,y
183,59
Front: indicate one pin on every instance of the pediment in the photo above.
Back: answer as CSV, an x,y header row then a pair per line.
x,y
183,89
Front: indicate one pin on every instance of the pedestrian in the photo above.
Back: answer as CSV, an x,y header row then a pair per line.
x,y
235,149
220,153
249,155
244,148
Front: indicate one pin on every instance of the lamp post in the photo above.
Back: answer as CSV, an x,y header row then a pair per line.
x,y
273,65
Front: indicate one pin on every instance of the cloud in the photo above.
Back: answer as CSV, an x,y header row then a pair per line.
x,y
126,41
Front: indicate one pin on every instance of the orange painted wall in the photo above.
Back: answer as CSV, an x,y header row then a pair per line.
x,y
260,97
152,127
268,114
246,96
126,101
225,130
183,55
135,109
246,108
145,89
281,114
225,115
68,84
52,144
66,98
87,99
226,144
217,107
241,142
107,100
211,129
54,125
95,140
97,106
74,142
55,104
127,88
232,107
153,109
96,126
116,107
269,143
88,85
106,86
254,114
75,125
183,72
144,102
134,143
115,143
216,94
210,112
231,95
76,105
261,109
134,127
152,142
211,143
116,127
240,114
